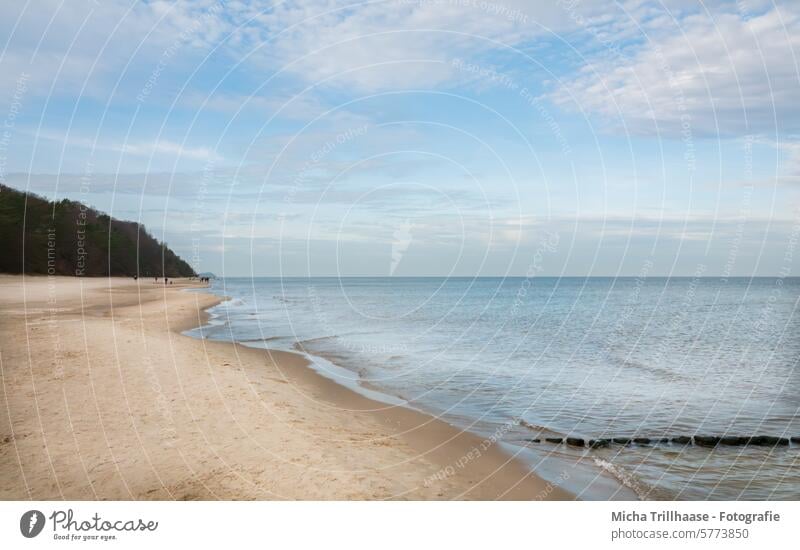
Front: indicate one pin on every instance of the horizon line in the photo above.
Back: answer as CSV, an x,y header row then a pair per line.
x,y
723,277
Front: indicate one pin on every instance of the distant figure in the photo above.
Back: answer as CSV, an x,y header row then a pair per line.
x,y
135,277
166,281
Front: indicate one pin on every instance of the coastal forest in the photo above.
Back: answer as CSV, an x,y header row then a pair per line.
x,y
69,238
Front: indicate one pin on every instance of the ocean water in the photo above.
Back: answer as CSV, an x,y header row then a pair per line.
x,y
542,357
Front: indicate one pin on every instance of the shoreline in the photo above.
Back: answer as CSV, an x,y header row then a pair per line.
x,y
300,435
556,467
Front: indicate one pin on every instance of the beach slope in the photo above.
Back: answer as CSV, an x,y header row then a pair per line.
x,y
103,398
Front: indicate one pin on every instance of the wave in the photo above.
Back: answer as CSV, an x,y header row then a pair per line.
x,y
233,302
534,427
259,340
316,339
642,490
663,373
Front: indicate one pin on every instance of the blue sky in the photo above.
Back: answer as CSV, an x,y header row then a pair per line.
x,y
418,137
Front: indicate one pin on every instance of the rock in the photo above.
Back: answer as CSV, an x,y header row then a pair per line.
x,y
575,441
599,443
622,440
554,439
641,440
664,440
682,440
733,440
795,439
768,440
706,440
533,440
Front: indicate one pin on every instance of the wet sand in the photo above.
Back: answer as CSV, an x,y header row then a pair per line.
x,y
103,398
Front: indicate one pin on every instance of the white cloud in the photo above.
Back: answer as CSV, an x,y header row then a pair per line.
x,y
135,148
376,46
88,46
723,74
368,46
166,147
789,168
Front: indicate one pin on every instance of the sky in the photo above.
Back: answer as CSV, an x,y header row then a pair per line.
x,y
418,137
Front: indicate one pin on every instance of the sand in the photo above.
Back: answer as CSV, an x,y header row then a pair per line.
x,y
104,398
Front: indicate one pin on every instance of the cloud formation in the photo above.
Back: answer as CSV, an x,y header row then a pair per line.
x,y
725,73
338,122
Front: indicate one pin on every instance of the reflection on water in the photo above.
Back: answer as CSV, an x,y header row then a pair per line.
x,y
592,357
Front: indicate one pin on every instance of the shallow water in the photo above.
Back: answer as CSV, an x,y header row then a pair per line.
x,y
597,357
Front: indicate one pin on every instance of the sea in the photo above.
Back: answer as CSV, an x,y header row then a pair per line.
x,y
520,359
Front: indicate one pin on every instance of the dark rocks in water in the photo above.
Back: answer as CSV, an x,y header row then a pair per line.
x,y
701,440
554,439
734,440
768,440
706,440
533,440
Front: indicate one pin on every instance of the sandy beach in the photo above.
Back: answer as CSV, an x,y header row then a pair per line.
x,y
104,398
